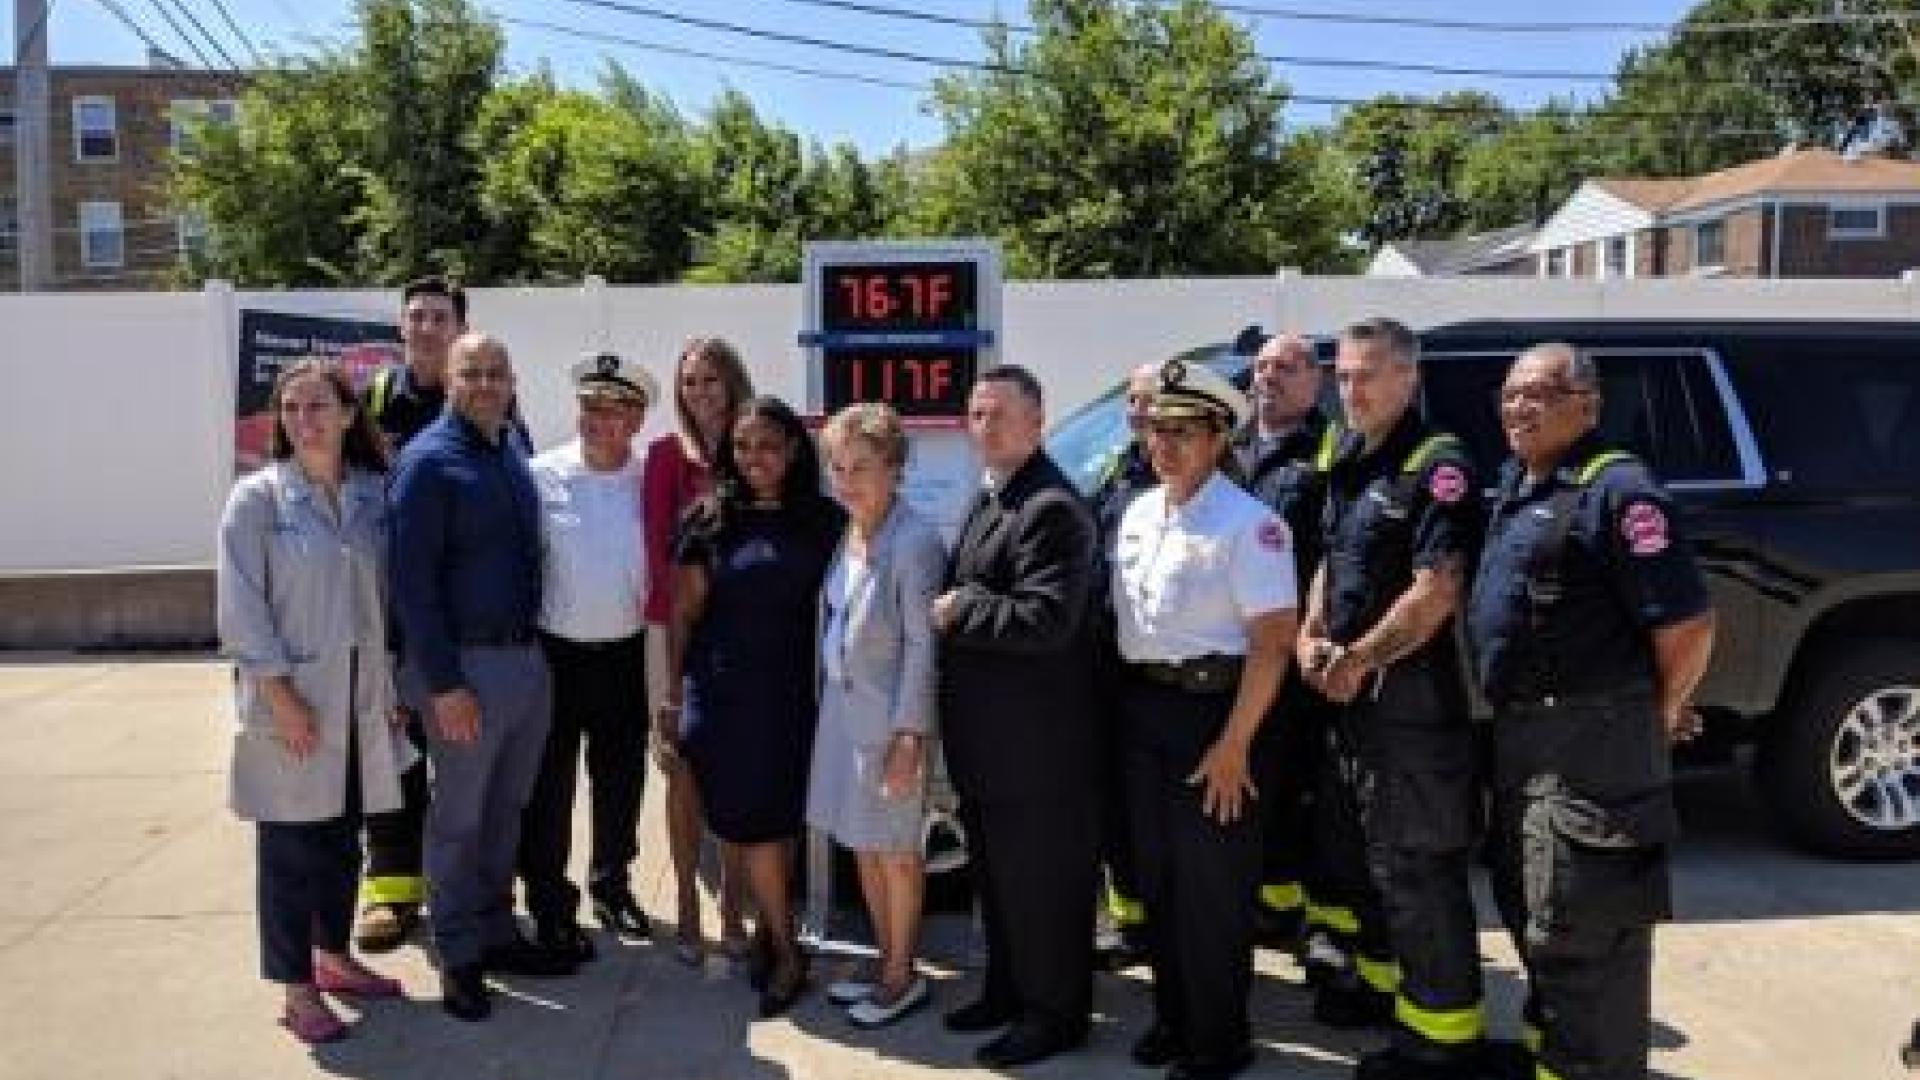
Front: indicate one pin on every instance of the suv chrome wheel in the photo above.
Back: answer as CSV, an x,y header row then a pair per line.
x,y
1875,763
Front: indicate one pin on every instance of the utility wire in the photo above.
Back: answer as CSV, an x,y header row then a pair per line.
x,y
113,8
608,38
186,11
1490,26
39,27
192,45
227,17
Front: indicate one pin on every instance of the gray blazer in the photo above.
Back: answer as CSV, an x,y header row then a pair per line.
x,y
888,658
298,593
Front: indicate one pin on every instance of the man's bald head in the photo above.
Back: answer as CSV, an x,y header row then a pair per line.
x,y
1141,385
480,380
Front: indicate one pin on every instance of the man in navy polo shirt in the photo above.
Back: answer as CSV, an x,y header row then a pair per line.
x,y
466,587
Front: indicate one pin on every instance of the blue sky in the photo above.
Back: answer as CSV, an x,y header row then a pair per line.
x,y
879,117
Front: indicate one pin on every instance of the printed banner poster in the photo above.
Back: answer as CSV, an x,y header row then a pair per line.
x,y
270,340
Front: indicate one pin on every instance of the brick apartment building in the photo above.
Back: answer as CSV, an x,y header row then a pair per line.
x,y
1802,213
112,133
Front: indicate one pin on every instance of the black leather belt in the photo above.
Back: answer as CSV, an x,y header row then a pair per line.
x,y
1214,674
1575,699
492,639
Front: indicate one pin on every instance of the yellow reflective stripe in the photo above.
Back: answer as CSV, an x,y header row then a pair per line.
x,y
1329,444
394,889
1447,1027
1541,1072
1598,462
1428,449
1337,919
1382,976
1124,911
1531,1038
1285,896
382,392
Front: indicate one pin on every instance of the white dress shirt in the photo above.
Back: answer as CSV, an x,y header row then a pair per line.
x,y
1186,579
596,567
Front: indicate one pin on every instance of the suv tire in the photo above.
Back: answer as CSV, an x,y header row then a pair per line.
x,y
1839,768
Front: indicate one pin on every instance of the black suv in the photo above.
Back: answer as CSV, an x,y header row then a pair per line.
x,y
1794,448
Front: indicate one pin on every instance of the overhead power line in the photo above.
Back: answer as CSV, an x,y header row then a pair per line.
x,y
186,11
1497,26
181,32
994,67
113,8
233,27
609,38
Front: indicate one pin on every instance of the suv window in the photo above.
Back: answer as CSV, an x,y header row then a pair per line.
x,y
1085,440
1661,405
1837,415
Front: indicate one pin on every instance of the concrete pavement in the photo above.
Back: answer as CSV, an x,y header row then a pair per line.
x,y
127,943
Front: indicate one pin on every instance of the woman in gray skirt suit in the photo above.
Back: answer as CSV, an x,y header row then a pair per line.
x,y
868,784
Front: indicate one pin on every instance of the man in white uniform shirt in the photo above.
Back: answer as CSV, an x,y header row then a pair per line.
x,y
1204,598
591,630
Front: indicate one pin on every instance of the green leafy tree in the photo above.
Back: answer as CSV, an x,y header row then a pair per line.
x,y
1123,138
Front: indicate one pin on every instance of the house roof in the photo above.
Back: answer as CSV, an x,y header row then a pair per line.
x,y
1815,171
1466,252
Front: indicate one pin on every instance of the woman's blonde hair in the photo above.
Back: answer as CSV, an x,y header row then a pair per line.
x,y
873,423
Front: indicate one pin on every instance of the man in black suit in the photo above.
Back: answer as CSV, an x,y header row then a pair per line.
x,y
1016,668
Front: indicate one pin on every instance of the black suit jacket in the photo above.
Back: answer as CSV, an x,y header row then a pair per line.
x,y
1016,661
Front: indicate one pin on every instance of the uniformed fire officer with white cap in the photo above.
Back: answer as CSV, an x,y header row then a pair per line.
x,y
1204,595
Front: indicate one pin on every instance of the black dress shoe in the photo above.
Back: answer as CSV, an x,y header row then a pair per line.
x,y
618,912
1212,1067
982,1015
1158,1048
1391,1064
783,988
527,960
564,939
463,993
759,960
1025,1044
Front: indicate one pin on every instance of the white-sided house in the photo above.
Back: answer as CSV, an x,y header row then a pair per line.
x,y
1499,251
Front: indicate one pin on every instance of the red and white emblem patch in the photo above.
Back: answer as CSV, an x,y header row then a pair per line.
x,y
1645,529
1273,535
1448,484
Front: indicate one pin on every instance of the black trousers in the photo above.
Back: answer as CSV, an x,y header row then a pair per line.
x,y
1415,785
1293,750
395,853
304,891
599,698
1116,842
1198,876
1034,870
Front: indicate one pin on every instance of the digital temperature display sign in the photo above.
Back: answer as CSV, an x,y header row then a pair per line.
x,y
905,323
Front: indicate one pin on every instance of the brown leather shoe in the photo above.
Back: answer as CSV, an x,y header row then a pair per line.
x,y
386,927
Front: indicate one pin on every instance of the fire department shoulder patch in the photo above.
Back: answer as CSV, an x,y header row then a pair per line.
x,y
1644,527
1447,483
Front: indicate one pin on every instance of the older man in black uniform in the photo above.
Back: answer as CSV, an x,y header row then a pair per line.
x,y
1590,628
1402,528
1017,723
1126,475
1283,453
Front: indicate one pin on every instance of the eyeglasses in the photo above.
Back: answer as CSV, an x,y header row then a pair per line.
x,y
1542,394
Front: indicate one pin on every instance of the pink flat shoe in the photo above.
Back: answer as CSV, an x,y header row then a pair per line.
x,y
367,986
314,1028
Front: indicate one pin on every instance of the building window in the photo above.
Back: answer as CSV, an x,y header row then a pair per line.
x,y
192,226
1618,255
8,121
103,241
96,135
1557,262
1709,245
183,110
1856,222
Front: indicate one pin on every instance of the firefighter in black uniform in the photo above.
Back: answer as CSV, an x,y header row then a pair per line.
x,y
402,399
1126,474
1590,627
1204,598
1402,528
1283,453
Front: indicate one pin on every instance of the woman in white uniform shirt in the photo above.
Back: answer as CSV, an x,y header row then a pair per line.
x,y
594,590
1204,600
867,787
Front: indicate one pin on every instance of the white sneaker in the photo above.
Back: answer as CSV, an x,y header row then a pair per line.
x,y
850,991
870,1013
